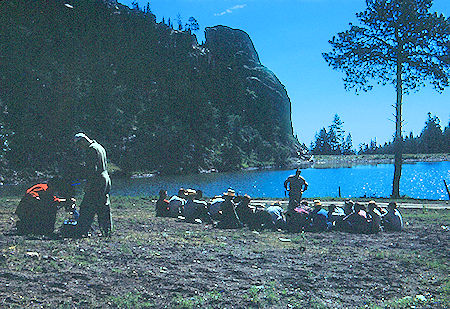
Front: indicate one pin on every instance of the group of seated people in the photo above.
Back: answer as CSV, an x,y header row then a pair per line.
x,y
352,218
231,211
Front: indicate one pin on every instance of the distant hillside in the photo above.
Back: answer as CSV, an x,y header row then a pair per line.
x,y
151,95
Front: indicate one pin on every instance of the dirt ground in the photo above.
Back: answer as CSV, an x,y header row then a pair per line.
x,y
166,263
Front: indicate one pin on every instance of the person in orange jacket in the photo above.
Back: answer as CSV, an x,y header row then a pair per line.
x,y
38,207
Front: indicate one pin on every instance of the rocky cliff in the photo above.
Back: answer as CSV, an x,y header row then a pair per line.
x,y
234,48
154,97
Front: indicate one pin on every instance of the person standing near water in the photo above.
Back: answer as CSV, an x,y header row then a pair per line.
x,y
297,184
98,184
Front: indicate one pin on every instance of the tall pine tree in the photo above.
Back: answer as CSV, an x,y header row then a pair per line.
x,y
398,42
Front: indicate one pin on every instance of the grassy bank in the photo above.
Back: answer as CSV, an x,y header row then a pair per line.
x,y
159,262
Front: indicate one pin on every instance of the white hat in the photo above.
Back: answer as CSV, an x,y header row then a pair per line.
x,y
230,192
79,136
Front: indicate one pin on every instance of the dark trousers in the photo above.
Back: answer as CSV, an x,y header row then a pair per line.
x,y
95,201
294,199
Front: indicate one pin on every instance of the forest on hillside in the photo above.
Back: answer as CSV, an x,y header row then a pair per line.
x,y
154,97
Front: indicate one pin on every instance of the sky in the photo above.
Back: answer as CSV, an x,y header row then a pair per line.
x,y
290,37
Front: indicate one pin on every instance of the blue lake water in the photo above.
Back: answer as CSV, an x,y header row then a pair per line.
x,y
419,180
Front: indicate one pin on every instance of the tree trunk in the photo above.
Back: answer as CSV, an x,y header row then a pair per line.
x,y
398,139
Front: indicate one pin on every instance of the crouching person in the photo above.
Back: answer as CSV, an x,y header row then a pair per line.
x,y
335,217
38,208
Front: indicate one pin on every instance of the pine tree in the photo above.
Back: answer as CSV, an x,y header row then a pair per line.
x,y
179,22
399,42
192,25
446,139
347,146
336,134
322,143
431,136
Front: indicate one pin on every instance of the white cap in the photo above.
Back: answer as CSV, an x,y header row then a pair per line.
x,y
79,136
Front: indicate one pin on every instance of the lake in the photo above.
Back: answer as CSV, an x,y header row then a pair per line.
x,y
419,180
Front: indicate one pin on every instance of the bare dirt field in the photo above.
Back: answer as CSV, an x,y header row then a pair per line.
x,y
166,263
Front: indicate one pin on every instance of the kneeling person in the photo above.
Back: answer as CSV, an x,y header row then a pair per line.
x,y
38,207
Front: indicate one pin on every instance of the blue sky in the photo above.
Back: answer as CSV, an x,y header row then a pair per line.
x,y
290,36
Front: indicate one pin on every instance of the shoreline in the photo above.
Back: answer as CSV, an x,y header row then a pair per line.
x,y
328,161
316,162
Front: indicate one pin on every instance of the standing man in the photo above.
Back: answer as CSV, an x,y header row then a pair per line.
x,y
297,184
98,184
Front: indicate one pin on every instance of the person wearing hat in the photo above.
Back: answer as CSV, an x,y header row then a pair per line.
x,y
195,208
215,206
176,203
98,185
318,218
392,220
228,218
295,184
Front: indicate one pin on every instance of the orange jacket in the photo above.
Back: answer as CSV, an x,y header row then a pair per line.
x,y
34,191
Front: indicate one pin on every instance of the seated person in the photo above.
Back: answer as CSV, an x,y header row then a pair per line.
x,y
318,218
335,216
392,221
176,204
214,207
348,206
276,212
262,219
228,218
195,208
298,219
38,207
244,211
356,222
374,217
162,205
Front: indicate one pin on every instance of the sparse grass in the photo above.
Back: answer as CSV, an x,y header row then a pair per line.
x,y
418,301
206,300
262,296
172,258
130,300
